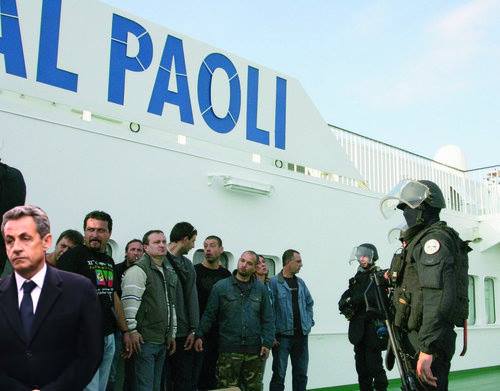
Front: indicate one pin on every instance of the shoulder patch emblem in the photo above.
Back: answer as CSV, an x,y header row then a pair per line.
x,y
432,246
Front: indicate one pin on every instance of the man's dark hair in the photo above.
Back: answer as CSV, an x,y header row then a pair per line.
x,y
99,215
145,238
132,241
213,237
182,230
71,234
288,255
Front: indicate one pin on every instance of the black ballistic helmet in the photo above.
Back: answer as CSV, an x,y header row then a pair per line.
x,y
435,197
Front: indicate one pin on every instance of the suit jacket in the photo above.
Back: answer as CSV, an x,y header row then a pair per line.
x,y
66,344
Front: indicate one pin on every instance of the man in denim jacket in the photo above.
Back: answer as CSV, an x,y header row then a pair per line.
x,y
240,305
293,309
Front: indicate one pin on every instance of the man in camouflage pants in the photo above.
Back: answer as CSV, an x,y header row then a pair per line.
x,y
241,306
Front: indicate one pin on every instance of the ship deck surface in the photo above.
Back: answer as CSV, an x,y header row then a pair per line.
x,y
483,379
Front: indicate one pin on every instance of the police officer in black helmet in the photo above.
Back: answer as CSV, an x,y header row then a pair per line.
x,y
426,281
366,332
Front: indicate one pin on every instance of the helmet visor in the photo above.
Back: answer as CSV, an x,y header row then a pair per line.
x,y
394,235
406,192
360,253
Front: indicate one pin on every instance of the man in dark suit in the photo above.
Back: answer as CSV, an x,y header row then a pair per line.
x,y
50,327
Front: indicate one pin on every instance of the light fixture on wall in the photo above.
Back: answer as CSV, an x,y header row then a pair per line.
x,y
241,185
86,115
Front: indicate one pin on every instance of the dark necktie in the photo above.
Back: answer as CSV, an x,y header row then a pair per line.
x,y
26,309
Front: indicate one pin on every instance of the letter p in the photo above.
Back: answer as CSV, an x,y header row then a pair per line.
x,y
119,62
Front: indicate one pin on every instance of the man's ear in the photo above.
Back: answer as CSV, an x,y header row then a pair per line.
x,y
47,242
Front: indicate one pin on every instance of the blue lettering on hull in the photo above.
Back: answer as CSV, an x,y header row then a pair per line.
x,y
47,71
11,45
172,53
209,65
120,64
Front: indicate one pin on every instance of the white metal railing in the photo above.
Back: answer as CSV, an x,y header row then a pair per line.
x,y
473,192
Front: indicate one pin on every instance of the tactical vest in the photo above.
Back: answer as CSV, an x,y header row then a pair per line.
x,y
408,298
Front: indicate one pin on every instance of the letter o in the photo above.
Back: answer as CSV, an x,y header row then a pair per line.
x,y
209,65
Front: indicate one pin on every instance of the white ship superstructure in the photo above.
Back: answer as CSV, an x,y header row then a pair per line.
x,y
256,165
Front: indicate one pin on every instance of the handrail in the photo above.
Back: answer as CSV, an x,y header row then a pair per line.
x,y
473,192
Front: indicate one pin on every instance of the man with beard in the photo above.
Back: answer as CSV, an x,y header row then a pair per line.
x,y
182,364
208,272
91,261
241,307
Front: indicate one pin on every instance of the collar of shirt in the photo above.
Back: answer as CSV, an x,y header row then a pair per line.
x,y
38,279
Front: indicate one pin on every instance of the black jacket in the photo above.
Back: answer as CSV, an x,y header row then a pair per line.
x,y
362,321
12,193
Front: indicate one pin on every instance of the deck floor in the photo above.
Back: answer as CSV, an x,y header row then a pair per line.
x,y
481,379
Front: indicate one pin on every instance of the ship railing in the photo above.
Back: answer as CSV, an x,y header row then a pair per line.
x,y
472,192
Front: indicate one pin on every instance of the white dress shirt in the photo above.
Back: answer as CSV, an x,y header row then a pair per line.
x,y
38,279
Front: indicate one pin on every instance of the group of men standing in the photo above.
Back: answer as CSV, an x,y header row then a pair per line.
x,y
172,325
60,325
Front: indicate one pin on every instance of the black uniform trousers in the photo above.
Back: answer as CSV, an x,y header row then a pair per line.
x,y
441,359
369,365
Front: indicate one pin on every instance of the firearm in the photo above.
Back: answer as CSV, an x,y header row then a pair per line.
x,y
403,360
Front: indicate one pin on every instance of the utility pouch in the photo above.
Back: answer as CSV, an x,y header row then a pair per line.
x,y
396,269
415,318
430,271
402,305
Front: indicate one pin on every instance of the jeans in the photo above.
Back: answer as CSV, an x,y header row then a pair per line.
x,y
148,366
121,376
113,373
297,349
100,379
